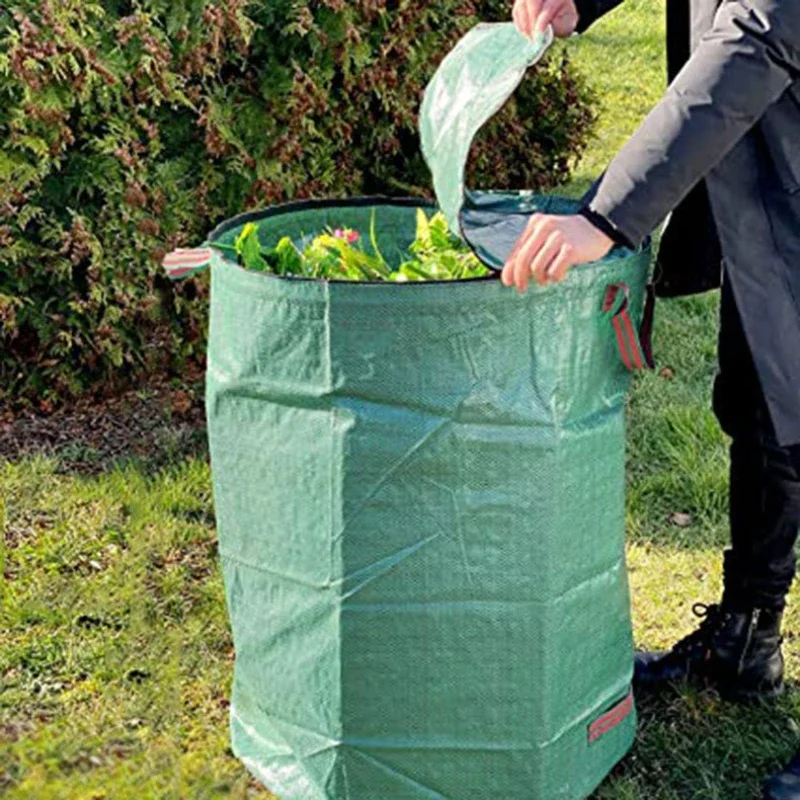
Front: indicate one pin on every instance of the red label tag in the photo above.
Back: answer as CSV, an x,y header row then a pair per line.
x,y
611,718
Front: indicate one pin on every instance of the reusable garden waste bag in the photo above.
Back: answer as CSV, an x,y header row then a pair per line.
x,y
419,491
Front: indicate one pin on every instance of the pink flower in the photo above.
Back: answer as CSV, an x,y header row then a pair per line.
x,y
348,234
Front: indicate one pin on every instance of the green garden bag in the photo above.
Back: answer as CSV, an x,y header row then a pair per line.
x,y
419,490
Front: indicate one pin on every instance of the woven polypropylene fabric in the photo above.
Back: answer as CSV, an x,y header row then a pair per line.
x,y
420,499
470,86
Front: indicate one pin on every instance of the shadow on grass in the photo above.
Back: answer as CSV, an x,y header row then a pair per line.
x,y
677,453
694,746
147,431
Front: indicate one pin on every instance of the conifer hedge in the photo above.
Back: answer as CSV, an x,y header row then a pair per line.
x,y
130,128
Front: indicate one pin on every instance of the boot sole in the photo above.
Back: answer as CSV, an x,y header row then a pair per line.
x,y
736,694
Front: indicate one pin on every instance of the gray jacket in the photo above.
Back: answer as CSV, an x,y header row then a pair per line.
x,y
722,150
744,71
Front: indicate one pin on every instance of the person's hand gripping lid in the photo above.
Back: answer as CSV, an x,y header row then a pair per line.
x,y
533,16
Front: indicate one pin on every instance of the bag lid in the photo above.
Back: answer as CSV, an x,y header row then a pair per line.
x,y
471,85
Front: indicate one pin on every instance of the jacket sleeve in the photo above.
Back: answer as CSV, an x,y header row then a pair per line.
x,y
589,11
740,68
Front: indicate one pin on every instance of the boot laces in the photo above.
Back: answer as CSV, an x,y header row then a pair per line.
x,y
711,616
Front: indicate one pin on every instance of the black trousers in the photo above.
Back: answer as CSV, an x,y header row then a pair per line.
x,y
764,480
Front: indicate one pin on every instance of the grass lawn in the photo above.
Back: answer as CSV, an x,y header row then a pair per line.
x,y
115,656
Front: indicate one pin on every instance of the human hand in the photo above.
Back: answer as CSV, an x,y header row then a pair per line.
x,y
550,245
533,16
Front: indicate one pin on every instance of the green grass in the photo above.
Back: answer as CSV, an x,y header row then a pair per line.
x,y
115,655
624,57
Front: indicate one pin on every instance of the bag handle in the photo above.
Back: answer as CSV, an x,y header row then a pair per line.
x,y
183,262
635,348
471,85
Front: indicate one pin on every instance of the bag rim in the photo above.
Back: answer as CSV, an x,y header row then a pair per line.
x,y
339,202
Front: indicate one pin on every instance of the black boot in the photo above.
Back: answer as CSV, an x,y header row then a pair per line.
x,y
785,785
737,652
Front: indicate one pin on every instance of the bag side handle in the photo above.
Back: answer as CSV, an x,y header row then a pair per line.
x,y
184,262
635,347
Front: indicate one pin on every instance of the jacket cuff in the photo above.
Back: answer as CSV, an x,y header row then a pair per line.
x,y
624,212
607,227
